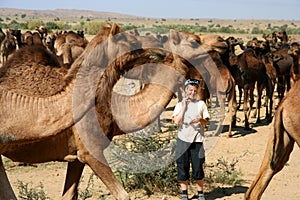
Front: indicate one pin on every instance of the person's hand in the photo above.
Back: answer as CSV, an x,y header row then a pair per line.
x,y
196,120
185,102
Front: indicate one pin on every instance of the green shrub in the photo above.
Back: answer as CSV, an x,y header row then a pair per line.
x,y
25,192
222,173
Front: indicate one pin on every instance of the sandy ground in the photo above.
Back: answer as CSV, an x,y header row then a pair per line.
x,y
248,147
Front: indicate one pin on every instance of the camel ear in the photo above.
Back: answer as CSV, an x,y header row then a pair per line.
x,y
174,37
115,29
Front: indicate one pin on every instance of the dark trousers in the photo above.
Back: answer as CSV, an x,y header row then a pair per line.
x,y
186,154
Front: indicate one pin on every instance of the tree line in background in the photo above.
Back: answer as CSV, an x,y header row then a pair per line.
x,y
92,27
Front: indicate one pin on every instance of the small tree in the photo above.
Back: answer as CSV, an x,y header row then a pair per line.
x,y
33,24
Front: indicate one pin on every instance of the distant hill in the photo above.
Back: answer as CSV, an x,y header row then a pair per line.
x,y
63,13
74,17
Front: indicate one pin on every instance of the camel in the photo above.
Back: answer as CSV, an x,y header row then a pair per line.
x,y
226,90
253,72
282,36
69,47
286,131
263,52
27,38
8,46
42,30
2,35
17,33
73,116
283,63
230,59
49,40
294,51
270,84
272,40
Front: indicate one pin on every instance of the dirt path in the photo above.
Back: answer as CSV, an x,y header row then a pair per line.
x,y
247,147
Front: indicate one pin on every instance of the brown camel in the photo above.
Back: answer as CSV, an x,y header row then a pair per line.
x,y
286,133
230,59
263,53
283,63
52,125
69,46
73,117
49,40
224,89
27,38
8,46
2,35
253,72
282,36
42,30
17,33
270,84
294,51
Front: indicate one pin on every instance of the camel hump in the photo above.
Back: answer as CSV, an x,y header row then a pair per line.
x,y
33,71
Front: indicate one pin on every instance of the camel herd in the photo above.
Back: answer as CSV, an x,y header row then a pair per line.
x,y
67,46
58,102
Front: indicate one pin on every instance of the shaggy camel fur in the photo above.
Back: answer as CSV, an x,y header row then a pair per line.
x,y
74,115
286,132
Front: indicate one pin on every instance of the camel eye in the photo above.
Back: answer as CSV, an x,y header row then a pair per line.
x,y
220,39
194,43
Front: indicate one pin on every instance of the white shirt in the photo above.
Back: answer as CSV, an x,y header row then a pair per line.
x,y
192,132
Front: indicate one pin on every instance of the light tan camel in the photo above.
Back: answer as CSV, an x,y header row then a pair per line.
x,y
38,121
286,133
69,46
51,115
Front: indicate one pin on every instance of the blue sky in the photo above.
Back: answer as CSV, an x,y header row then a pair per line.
x,y
222,9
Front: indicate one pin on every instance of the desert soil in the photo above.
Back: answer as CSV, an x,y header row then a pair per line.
x,y
246,146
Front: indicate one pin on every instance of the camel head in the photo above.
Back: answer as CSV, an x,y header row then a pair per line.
x,y
270,37
49,41
282,35
43,31
294,49
185,44
232,41
212,42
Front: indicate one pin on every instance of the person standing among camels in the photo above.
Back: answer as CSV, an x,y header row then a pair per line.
x,y
191,115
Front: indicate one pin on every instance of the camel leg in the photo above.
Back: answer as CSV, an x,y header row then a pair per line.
x,y
251,100
232,111
260,88
104,172
269,100
6,191
221,102
270,166
280,88
240,97
246,108
74,172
